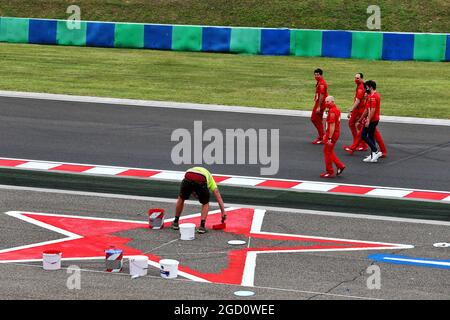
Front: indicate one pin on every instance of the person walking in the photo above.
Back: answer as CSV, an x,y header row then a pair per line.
x,y
319,105
330,138
373,118
356,112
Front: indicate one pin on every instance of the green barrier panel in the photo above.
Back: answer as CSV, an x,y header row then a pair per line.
x,y
129,35
68,37
187,38
245,40
429,47
14,30
367,45
306,43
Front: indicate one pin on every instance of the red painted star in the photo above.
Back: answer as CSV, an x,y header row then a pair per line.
x,y
87,238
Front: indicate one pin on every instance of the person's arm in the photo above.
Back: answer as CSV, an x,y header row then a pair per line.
x,y
370,116
355,104
332,127
220,202
321,98
363,116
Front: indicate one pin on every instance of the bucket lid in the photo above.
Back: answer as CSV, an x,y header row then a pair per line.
x,y
113,251
139,258
154,210
52,252
169,262
187,225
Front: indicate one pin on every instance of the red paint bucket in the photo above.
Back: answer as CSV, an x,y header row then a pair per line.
x,y
114,260
156,218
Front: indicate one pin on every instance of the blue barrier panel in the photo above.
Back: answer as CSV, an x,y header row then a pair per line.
x,y
398,46
275,42
100,34
337,44
216,39
447,52
42,31
157,37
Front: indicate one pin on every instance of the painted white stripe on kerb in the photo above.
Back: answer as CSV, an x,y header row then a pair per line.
x,y
242,182
172,176
315,186
446,199
389,193
38,165
105,171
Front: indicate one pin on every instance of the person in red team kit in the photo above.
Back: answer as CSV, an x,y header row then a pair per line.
x,y
319,105
359,125
356,112
373,117
330,138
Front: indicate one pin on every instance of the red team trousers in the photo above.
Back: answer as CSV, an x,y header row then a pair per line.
x,y
317,120
356,131
330,158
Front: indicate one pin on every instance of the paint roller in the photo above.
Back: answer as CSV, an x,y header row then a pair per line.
x,y
220,226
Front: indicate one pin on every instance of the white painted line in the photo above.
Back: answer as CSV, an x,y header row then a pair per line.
x,y
446,199
203,107
20,215
242,181
396,245
105,171
37,165
388,193
333,250
181,273
437,263
310,186
248,276
194,202
170,176
258,217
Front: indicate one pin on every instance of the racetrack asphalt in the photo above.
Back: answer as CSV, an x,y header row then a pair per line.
x,y
135,136
293,276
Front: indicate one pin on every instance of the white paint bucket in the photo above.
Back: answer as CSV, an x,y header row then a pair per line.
x,y
138,266
169,268
51,260
187,231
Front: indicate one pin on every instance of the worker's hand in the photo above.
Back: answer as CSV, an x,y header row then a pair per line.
x,y
367,124
349,114
224,217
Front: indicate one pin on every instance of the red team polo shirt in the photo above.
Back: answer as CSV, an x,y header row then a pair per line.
x,y
334,116
374,101
360,95
321,88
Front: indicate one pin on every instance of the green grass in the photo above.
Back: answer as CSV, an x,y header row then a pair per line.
x,y
396,15
417,89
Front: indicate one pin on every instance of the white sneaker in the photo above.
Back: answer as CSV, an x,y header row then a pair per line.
x,y
378,154
368,158
375,157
